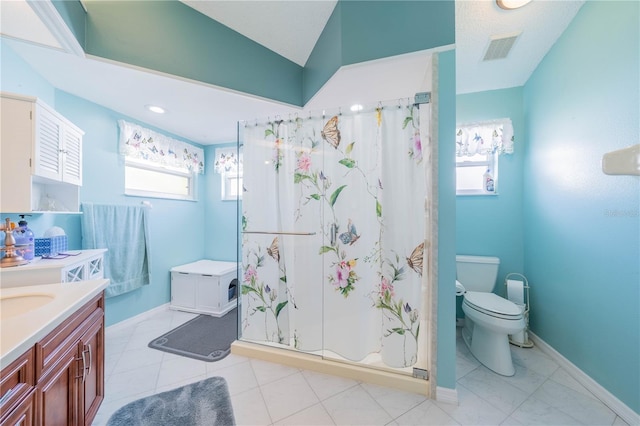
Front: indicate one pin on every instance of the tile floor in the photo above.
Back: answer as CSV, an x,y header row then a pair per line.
x,y
263,393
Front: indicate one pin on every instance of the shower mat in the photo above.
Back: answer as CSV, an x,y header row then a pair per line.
x,y
205,338
202,403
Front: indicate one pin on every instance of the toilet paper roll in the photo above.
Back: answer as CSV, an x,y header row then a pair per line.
x,y
515,291
460,290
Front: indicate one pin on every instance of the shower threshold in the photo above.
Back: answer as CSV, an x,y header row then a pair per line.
x,y
370,373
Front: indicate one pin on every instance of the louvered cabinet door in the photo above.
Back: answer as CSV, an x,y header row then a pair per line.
x,y
72,157
48,145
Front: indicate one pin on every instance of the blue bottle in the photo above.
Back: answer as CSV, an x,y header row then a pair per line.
x,y
24,236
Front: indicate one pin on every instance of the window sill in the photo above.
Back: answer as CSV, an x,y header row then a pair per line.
x,y
473,193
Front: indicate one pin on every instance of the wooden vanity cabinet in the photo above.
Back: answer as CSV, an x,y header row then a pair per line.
x,y
68,371
17,391
70,368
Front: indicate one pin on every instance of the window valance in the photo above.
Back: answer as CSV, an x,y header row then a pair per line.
x,y
141,144
228,161
486,137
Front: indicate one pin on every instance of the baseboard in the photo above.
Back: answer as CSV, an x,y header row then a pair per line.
x,y
140,317
607,398
447,395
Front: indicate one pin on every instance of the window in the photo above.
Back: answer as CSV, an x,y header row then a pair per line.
x,y
158,166
145,180
478,147
228,164
472,173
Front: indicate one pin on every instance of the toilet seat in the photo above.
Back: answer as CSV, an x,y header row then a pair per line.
x,y
493,305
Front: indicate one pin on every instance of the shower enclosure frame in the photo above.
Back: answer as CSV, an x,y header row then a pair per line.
x,y
422,382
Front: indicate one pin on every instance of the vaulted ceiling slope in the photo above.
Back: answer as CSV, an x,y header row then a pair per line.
x,y
173,38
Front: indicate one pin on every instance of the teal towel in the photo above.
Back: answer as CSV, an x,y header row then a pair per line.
x,y
124,231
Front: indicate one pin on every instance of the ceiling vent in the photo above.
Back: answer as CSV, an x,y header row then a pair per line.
x,y
500,46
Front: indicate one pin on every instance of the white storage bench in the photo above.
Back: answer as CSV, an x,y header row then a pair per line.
x,y
205,287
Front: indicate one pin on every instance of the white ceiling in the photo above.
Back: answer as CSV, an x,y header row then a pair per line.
x,y
207,114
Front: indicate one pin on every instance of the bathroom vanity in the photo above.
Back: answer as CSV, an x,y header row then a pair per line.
x,y
52,353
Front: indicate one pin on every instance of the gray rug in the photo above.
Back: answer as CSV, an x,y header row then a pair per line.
x,y
205,337
202,403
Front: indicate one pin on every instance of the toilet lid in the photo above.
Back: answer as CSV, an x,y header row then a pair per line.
x,y
492,304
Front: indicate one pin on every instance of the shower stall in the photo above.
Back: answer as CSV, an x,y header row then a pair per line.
x,y
335,228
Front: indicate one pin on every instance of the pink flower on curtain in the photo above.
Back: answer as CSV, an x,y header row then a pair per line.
x,y
417,147
342,274
250,273
304,162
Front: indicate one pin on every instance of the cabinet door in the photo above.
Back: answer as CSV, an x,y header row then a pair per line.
x,y
24,413
57,392
48,145
74,273
91,386
72,157
208,292
183,290
16,136
95,268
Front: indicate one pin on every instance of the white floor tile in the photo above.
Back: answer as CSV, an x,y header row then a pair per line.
x,y
428,414
586,410
179,369
240,377
472,410
395,402
315,415
536,412
493,389
267,372
249,408
326,385
288,396
355,407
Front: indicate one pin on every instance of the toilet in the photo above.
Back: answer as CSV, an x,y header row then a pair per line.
x,y
489,318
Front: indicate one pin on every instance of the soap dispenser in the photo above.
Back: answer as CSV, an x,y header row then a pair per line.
x,y
24,239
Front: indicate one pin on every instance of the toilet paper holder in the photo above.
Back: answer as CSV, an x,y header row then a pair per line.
x,y
520,339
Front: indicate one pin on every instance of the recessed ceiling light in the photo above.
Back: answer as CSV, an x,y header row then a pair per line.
x,y
156,109
356,107
511,4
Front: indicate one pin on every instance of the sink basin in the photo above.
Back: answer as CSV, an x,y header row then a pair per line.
x,y
11,306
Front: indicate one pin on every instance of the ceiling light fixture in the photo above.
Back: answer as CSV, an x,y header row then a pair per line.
x,y
356,107
511,4
156,109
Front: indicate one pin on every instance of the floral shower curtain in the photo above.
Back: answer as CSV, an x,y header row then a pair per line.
x,y
334,233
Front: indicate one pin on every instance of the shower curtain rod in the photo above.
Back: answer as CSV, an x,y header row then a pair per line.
x,y
419,98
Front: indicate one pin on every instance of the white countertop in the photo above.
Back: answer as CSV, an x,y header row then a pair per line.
x,y
20,332
40,263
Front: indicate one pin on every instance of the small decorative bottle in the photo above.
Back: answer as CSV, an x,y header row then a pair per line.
x,y
488,185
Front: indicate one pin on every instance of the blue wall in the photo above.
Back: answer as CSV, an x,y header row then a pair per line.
x,y
493,225
220,216
582,227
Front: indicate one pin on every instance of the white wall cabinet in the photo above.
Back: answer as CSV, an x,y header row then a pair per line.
x,y
41,157
88,265
204,287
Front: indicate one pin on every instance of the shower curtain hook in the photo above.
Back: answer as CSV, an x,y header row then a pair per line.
x,y
340,111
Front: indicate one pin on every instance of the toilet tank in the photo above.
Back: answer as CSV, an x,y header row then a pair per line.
x,y
477,273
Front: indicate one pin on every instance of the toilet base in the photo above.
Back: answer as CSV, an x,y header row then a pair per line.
x,y
490,348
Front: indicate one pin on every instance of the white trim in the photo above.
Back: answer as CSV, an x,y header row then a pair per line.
x,y
447,395
140,317
49,15
607,398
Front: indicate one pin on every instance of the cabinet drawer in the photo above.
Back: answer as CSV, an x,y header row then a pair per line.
x,y
50,349
15,384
